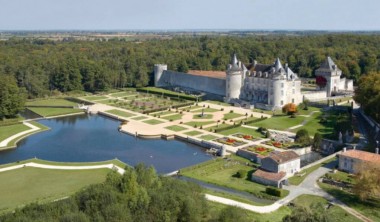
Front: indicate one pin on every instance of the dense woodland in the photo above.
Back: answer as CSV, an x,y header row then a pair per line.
x,y
42,65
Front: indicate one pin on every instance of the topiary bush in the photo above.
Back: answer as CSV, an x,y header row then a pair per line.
x,y
241,174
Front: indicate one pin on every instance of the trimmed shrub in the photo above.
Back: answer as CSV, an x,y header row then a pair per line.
x,y
274,191
241,174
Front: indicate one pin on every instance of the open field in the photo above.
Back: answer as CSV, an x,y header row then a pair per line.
x,y
43,185
47,111
50,102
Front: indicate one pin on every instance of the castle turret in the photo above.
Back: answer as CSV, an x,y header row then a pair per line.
x,y
328,76
234,79
158,71
279,85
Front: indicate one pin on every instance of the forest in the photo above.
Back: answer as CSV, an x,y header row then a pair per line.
x,y
43,66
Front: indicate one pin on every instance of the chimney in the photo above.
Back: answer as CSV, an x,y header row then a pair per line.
x,y
344,149
377,150
354,147
254,63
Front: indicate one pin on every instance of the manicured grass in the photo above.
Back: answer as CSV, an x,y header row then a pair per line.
x,y
208,137
47,111
205,116
308,111
279,122
13,143
165,92
342,176
242,130
298,179
265,111
50,102
369,208
173,117
212,128
206,110
314,125
231,116
275,216
193,133
26,185
94,98
334,213
11,121
139,118
194,123
162,113
153,121
7,131
175,128
120,113
190,108
221,172
218,103
123,94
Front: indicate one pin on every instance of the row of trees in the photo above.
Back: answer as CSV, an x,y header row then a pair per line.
x,y
41,65
367,94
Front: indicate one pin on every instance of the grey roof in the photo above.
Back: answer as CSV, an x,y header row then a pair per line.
x,y
278,65
328,64
234,60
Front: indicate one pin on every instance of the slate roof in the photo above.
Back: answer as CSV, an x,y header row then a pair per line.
x,y
283,157
269,175
362,155
212,74
328,64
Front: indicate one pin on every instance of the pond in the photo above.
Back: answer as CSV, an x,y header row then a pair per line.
x,y
89,138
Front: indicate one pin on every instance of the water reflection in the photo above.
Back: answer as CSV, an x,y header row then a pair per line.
x,y
84,138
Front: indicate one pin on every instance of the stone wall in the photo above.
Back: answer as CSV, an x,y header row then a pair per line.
x,y
198,83
315,96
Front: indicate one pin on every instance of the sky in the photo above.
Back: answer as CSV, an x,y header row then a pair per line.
x,y
189,14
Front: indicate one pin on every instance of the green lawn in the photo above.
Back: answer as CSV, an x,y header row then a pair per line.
x,y
208,137
166,92
193,133
47,111
139,117
14,142
212,128
195,123
173,117
7,131
94,98
50,102
206,110
205,116
218,103
153,121
308,111
123,94
334,213
26,185
242,130
279,122
162,113
120,113
221,172
298,179
368,208
232,116
175,128
314,125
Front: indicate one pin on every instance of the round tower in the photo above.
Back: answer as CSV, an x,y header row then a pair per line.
x,y
233,79
279,85
158,71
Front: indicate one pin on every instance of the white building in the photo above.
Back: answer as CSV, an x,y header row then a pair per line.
x,y
352,160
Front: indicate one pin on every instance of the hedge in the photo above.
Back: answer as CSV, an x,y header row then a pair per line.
x,y
274,191
167,93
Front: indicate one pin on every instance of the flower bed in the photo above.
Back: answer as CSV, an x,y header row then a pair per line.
x,y
277,144
245,136
260,150
230,141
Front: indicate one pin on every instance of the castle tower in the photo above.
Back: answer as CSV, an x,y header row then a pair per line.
x,y
234,79
279,85
328,77
158,71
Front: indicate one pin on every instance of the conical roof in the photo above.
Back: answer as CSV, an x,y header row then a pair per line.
x,y
278,65
234,60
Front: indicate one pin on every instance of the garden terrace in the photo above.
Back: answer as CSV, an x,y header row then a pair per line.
x,y
263,151
230,141
245,136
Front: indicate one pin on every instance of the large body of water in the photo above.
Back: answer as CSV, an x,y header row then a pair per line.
x,y
85,138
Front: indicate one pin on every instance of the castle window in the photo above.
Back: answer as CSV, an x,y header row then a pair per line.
x,y
282,85
292,100
282,92
294,91
294,83
282,102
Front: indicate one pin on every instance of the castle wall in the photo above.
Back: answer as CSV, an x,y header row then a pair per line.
x,y
315,96
200,83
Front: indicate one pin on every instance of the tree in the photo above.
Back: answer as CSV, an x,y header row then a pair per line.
x,y
232,214
367,94
289,108
368,177
304,214
12,98
317,140
302,137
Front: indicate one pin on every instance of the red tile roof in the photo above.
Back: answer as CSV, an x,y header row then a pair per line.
x,y
269,175
213,74
362,155
283,157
